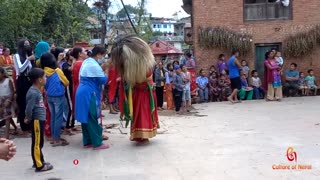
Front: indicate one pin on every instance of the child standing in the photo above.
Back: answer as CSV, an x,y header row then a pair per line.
x,y
6,99
36,115
55,89
311,82
186,96
245,68
303,84
178,87
256,85
225,85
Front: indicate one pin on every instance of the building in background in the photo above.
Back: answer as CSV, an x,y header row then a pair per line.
x,y
180,25
165,51
269,23
163,25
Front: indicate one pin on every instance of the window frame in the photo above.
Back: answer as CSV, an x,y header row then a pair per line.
x,y
290,18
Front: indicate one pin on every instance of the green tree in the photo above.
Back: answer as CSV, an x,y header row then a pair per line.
x,y
130,9
59,21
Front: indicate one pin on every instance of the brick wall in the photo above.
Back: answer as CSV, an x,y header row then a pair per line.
x,y
229,13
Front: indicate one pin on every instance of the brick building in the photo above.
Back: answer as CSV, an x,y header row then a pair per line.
x,y
268,23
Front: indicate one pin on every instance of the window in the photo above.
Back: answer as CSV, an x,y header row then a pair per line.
x,y
165,26
169,25
154,26
159,25
266,10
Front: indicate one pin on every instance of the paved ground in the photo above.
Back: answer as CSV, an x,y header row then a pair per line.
x,y
222,141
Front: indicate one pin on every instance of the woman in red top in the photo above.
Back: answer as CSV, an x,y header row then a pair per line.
x,y
79,55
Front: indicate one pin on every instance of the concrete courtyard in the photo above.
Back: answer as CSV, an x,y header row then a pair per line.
x,y
219,141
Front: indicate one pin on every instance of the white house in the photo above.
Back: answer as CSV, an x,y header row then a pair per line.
x,y
164,25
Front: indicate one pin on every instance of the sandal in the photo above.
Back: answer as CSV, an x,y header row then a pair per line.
x,y
46,167
34,166
60,143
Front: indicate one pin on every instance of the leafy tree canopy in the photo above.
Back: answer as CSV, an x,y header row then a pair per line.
x,y
60,21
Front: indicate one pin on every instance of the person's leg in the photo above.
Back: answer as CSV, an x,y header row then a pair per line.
x,y
53,116
161,96
286,89
201,94
233,96
315,90
184,105
93,127
270,93
206,94
37,144
22,88
176,100
242,94
256,93
65,112
249,95
278,93
85,135
56,117
179,99
68,116
158,93
261,92
295,89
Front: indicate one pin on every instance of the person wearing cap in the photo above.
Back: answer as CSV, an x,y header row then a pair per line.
x,y
178,87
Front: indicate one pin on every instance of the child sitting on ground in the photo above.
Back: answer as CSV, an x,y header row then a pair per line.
x,y
311,82
303,84
214,90
256,85
246,92
225,86
6,99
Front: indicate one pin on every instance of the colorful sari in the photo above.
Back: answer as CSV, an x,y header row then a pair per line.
x,y
193,87
272,80
140,108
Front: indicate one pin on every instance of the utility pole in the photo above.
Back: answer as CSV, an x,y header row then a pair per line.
x,y
125,9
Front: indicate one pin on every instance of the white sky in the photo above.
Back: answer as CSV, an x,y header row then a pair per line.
x,y
158,8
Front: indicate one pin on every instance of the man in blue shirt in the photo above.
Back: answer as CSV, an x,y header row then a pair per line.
x,y
234,74
202,83
292,80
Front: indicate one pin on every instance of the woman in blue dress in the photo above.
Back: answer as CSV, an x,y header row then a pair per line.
x,y
88,99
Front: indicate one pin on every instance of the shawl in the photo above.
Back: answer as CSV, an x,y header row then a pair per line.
x,y
91,68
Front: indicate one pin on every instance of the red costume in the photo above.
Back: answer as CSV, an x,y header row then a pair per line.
x,y
113,84
141,102
76,81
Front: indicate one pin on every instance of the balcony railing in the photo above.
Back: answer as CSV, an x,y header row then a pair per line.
x,y
267,11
